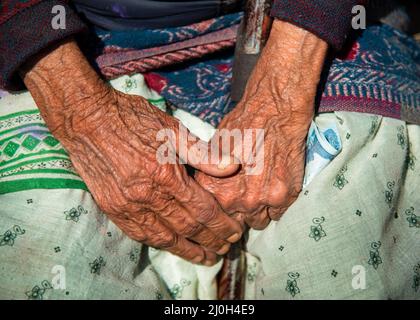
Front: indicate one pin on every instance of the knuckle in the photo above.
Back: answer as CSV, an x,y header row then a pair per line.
x,y
251,202
207,214
166,175
138,191
166,240
278,195
191,230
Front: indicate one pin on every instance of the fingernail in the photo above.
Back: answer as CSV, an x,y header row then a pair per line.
x,y
208,263
223,249
197,259
233,238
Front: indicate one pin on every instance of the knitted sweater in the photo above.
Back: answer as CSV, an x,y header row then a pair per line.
x,y
25,27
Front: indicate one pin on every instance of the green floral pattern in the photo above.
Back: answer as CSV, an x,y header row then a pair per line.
x,y
374,125
8,238
129,85
340,179
291,284
74,213
37,292
317,232
134,255
374,258
401,140
389,193
411,158
413,220
252,272
176,290
96,265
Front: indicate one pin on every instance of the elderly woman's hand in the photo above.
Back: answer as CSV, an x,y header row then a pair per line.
x,y
112,142
279,98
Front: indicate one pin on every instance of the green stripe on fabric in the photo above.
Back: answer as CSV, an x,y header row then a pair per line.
x,y
22,133
40,153
156,100
24,126
37,171
17,114
31,161
41,183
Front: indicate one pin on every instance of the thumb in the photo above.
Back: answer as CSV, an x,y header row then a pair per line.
x,y
204,156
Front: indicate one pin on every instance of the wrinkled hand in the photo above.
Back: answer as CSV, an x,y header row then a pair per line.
x,y
279,99
112,142
259,198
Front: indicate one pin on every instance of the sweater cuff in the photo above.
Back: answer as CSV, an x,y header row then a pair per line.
x,y
28,32
330,20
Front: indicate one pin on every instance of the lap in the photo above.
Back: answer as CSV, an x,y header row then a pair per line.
x,y
357,221
54,241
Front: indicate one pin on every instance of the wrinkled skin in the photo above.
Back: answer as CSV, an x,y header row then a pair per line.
x,y
279,98
111,140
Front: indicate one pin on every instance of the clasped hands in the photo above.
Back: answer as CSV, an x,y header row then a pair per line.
x,y
111,141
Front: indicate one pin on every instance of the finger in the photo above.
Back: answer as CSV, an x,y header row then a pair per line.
x,y
158,235
182,248
204,209
211,242
259,220
275,213
182,223
227,192
203,156
211,258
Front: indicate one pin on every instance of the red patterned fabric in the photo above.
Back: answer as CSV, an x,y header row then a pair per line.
x,y
163,60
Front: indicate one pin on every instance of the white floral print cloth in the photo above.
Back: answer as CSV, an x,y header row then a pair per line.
x,y
354,231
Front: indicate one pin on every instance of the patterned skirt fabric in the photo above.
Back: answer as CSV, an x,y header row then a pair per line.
x,y
54,241
354,231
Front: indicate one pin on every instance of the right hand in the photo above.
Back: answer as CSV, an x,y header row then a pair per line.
x,y
111,140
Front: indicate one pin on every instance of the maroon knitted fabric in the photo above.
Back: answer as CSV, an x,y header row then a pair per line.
x,y
328,19
25,29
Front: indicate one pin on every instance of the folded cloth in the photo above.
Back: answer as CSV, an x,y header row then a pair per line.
x,y
151,38
163,60
124,62
115,55
379,75
126,52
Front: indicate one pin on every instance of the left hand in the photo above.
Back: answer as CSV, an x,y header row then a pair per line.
x,y
279,98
